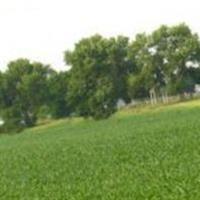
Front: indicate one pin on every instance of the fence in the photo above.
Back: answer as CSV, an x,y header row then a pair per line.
x,y
159,100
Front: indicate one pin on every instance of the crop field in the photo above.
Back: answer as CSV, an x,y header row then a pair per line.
x,y
138,154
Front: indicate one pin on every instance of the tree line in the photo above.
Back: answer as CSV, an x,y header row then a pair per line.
x,y
102,71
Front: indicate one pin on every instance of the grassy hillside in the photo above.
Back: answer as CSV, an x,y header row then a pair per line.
x,y
143,153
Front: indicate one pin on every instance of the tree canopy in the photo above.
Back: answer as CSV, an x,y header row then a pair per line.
x,y
102,72
98,73
23,90
167,59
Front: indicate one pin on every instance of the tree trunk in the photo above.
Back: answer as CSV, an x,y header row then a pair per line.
x,y
29,119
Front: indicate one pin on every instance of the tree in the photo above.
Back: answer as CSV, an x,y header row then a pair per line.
x,y
182,56
162,60
22,91
97,77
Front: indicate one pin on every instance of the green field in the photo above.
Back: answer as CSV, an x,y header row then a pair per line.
x,y
144,153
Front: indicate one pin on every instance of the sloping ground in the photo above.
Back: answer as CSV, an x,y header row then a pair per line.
x,y
142,153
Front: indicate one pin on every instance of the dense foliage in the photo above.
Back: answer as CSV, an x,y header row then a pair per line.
x,y
22,92
102,72
98,75
58,89
165,60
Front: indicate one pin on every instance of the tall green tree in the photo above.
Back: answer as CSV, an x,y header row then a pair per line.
x,y
22,91
182,57
162,60
97,76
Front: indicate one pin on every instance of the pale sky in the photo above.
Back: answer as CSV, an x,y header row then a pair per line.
x,y
41,30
